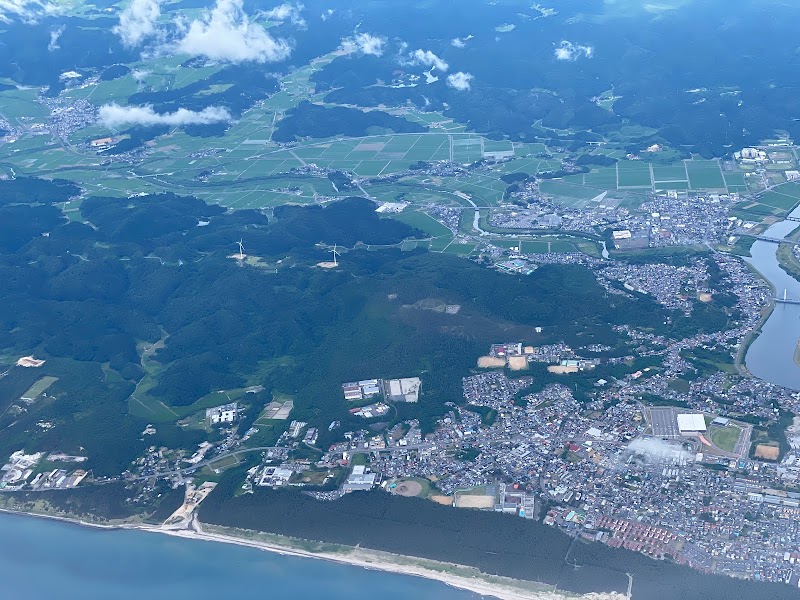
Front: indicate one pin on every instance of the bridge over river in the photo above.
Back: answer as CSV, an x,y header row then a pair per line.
x,y
772,240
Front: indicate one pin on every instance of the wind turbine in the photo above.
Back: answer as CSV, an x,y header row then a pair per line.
x,y
335,254
241,250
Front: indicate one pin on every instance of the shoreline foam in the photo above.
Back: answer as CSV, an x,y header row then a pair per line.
x,y
503,588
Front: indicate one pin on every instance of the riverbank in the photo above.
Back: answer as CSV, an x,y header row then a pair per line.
x,y
739,361
770,353
786,257
457,576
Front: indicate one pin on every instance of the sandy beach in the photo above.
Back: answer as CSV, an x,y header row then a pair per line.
x,y
468,578
486,585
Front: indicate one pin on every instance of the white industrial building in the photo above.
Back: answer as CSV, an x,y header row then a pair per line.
x,y
403,390
691,423
369,387
222,414
360,480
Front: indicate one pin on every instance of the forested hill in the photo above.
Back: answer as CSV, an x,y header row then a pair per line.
x,y
87,297
312,120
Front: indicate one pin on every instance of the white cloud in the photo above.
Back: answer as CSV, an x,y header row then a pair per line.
x,y
571,52
327,14
138,22
460,42
365,43
139,74
25,10
226,33
627,7
460,81
54,35
287,12
543,12
114,116
429,59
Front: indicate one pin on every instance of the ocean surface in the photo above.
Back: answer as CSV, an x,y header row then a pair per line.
x,y
42,558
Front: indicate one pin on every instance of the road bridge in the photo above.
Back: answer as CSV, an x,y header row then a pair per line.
x,y
772,240
786,301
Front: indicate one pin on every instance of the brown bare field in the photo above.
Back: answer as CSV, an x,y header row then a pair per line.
x,y
490,362
408,489
469,501
517,363
705,297
191,501
443,500
767,452
558,369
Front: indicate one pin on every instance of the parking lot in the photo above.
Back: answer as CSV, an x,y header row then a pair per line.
x,y
664,423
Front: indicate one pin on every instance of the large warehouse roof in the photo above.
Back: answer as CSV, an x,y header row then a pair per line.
x,y
691,422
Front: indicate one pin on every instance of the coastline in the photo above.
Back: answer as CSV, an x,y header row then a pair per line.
x,y
466,578
503,588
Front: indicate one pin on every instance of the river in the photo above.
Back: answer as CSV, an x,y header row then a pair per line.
x,y
45,559
771,356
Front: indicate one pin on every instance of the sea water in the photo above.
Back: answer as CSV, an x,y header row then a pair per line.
x,y
41,558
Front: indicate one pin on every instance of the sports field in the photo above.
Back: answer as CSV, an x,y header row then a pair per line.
x,y
725,438
412,487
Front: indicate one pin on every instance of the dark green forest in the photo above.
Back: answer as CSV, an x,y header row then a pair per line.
x,y
86,296
108,502
495,543
311,120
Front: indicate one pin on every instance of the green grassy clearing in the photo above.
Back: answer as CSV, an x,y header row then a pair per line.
x,y
423,222
38,388
726,438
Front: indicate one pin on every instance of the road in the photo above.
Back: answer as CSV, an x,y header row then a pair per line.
x,y
190,469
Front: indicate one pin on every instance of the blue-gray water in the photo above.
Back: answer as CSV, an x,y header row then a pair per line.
x,y
771,356
41,559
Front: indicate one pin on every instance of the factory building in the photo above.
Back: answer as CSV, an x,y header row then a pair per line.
x,y
689,423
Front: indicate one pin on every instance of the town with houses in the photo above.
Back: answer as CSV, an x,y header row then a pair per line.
x,y
662,460
639,463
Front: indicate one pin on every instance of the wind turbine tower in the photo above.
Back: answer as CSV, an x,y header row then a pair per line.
x,y
241,250
335,254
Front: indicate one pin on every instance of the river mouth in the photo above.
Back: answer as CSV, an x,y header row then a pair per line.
x,y
772,355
